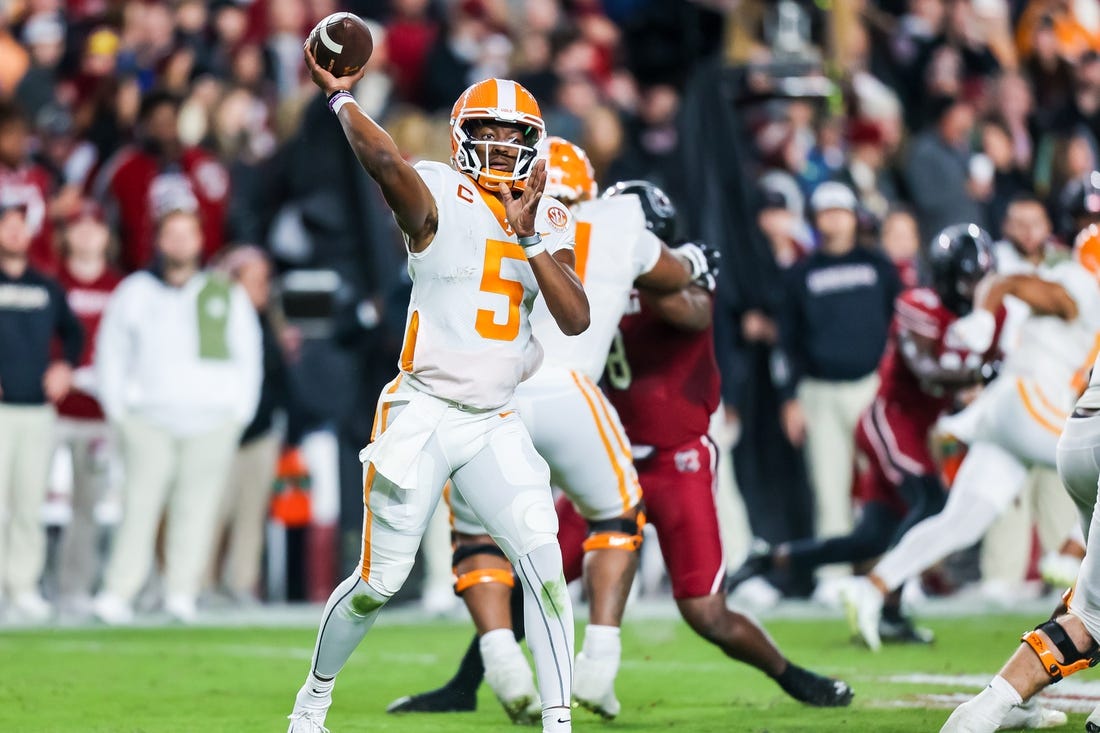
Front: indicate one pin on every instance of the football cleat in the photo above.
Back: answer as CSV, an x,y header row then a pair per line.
x,y
1058,570
813,689
903,631
309,712
1031,715
863,607
442,700
594,686
510,678
307,721
1092,725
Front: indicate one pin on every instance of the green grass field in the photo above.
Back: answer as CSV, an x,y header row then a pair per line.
x,y
211,680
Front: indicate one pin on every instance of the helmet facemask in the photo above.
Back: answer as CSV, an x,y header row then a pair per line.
x,y
472,156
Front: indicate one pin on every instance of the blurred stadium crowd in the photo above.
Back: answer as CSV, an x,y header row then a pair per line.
x,y
139,139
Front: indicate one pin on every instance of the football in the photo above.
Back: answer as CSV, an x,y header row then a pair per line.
x,y
341,43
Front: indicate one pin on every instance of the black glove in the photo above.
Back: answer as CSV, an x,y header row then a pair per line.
x,y
704,262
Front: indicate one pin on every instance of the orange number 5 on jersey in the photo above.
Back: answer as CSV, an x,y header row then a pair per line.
x,y
492,282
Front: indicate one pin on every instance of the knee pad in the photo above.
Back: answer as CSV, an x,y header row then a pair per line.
x,y
1073,660
615,534
478,576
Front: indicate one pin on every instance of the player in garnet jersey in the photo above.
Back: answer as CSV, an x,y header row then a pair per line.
x,y
920,372
663,377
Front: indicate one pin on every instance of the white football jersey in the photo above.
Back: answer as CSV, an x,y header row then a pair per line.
x,y
1051,350
613,247
468,332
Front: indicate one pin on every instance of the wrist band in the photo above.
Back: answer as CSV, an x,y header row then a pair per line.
x,y
339,99
532,245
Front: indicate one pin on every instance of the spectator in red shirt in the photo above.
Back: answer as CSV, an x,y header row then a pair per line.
x,y
28,182
155,175
88,279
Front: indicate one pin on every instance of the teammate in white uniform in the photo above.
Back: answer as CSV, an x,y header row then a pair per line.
x,y
482,243
1017,421
1067,643
577,430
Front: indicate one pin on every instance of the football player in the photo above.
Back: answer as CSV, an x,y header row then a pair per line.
x,y
482,242
1014,423
920,374
578,433
664,382
1068,642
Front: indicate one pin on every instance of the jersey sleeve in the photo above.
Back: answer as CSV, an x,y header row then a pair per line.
x,y
916,312
1081,286
555,224
434,176
647,250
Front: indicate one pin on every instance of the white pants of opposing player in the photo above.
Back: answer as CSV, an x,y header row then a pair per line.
x,y
1014,424
577,431
420,442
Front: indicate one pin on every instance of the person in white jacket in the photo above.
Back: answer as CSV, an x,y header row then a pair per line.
x,y
178,358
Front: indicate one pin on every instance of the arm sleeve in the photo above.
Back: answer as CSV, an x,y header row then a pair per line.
x,y
647,250
247,345
68,328
112,352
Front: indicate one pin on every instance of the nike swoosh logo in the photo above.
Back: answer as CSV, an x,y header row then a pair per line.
x,y
506,414
563,720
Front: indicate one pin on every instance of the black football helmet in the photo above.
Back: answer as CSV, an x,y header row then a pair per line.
x,y
959,257
660,214
1079,204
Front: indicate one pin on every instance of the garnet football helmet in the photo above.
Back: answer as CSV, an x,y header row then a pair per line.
x,y
958,258
660,214
496,100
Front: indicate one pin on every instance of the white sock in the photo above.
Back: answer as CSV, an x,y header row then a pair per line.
x,y
319,689
498,644
556,720
1006,692
602,642
992,704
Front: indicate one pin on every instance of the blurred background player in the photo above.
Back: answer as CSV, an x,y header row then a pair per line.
x,y
578,433
663,380
33,312
1014,423
88,279
1070,640
178,364
898,480
450,412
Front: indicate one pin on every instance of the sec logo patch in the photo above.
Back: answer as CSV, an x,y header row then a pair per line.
x,y
558,218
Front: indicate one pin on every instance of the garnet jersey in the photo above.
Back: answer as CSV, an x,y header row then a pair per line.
x,y
613,248
32,185
920,311
137,184
663,380
87,300
468,331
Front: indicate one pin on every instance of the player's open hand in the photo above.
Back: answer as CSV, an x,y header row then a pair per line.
x,y
330,84
521,211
